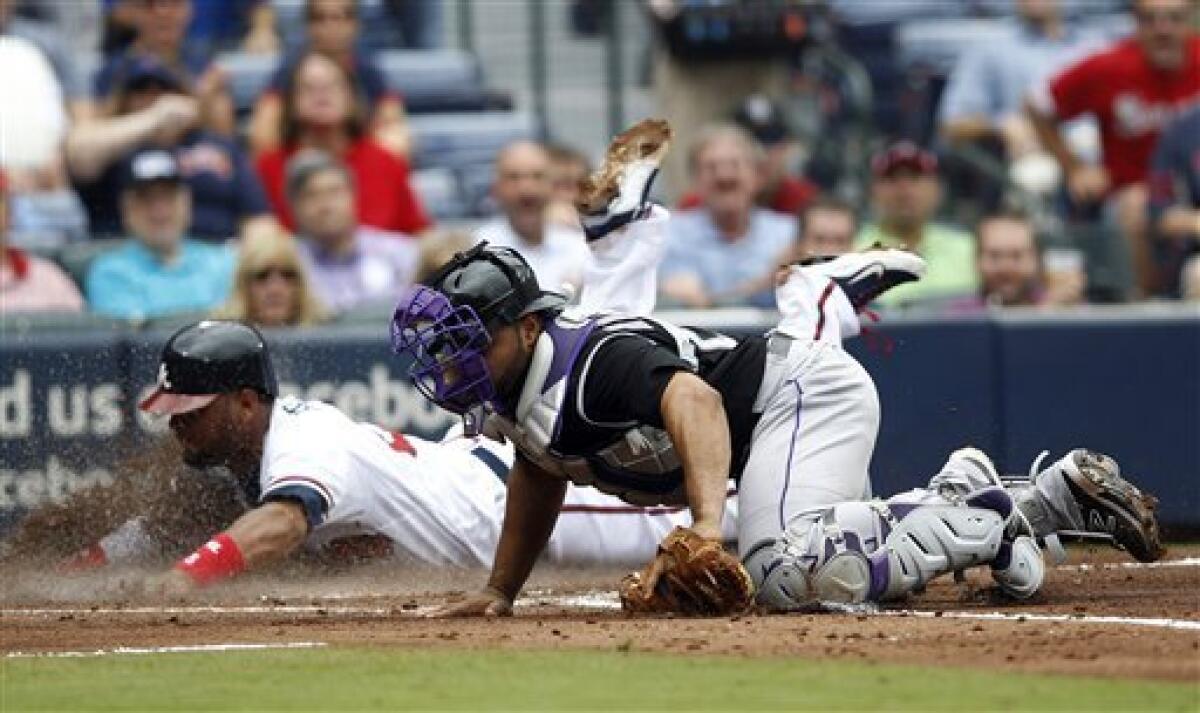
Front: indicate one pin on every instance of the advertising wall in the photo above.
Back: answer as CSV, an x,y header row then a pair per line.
x,y
1128,385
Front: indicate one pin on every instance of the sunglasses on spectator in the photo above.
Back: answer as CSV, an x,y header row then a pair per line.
x,y
265,274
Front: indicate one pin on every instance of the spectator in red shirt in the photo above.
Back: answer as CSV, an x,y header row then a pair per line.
x,y
320,112
1133,88
332,28
780,190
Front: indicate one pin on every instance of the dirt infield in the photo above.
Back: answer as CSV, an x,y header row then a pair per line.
x,y
1103,618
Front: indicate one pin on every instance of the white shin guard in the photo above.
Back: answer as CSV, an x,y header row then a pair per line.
x,y
937,539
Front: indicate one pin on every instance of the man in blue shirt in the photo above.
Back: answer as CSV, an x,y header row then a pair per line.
x,y
159,272
1175,203
726,251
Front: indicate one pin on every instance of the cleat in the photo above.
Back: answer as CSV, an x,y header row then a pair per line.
x,y
615,194
865,275
1110,505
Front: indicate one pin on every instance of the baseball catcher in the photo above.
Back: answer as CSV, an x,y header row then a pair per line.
x,y
656,413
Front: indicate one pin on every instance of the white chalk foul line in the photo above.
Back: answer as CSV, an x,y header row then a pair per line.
x,y
1185,624
136,650
235,609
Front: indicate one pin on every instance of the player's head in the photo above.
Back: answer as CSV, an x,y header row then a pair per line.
x,y
471,329
216,383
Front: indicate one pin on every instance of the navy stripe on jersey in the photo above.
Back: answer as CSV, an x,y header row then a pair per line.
x,y
309,498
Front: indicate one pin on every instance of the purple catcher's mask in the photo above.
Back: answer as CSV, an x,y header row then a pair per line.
x,y
446,344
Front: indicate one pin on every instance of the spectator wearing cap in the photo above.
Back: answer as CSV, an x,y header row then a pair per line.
x,y
151,107
321,111
1133,89
781,190
726,250
350,264
29,283
1175,203
160,271
522,189
905,195
332,28
985,98
160,31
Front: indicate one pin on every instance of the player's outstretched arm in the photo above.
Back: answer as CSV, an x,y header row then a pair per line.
x,y
534,501
263,535
694,416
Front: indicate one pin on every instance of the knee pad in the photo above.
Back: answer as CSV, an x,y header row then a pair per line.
x,y
1019,568
936,539
785,582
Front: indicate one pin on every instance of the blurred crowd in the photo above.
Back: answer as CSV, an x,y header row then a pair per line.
x,y
130,187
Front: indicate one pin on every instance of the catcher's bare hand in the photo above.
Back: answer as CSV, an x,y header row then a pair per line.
x,y
487,603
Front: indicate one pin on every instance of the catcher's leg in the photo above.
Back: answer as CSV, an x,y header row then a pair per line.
x,y
1084,493
814,439
874,551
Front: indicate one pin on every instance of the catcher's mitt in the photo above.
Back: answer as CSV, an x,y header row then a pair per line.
x,y
689,575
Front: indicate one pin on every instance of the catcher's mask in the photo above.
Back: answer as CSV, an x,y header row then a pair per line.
x,y
445,326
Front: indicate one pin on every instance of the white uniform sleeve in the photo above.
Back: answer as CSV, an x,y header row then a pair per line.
x,y
623,275
306,465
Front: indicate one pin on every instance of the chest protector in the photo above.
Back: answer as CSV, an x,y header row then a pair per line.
x,y
639,465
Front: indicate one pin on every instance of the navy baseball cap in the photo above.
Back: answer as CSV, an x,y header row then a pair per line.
x,y
763,119
139,71
151,166
206,359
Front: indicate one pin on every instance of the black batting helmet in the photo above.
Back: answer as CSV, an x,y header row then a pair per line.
x,y
206,359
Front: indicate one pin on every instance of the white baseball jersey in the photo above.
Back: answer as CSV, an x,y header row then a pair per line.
x,y
439,503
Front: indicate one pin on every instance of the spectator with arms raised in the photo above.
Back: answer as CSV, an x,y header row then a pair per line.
x,y
159,272
160,31
320,111
150,106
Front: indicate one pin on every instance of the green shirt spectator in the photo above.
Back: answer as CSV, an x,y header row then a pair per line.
x,y
905,194
950,258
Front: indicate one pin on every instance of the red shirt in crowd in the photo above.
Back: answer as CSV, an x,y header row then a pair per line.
x,y
790,197
385,198
1131,100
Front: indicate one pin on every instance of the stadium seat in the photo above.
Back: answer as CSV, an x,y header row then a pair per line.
x,y
248,76
456,140
15,326
440,192
937,44
437,80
